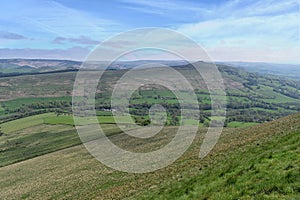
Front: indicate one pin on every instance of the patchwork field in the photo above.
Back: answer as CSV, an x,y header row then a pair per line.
x,y
266,154
42,156
40,134
251,98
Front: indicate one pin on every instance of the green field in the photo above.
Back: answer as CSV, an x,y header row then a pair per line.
x,y
40,134
256,157
241,158
66,119
31,145
15,125
267,97
277,97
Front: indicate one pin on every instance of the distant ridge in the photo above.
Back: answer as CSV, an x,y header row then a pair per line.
x,y
288,70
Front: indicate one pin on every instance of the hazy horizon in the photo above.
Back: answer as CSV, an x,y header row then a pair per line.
x,y
174,60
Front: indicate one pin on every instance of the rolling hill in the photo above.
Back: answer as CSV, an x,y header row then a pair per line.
x,y
251,98
288,70
35,65
42,157
260,161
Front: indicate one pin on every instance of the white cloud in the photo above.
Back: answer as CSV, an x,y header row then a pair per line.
x,y
283,55
264,36
54,18
66,21
74,53
258,27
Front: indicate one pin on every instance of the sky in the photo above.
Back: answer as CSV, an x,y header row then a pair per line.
x,y
228,30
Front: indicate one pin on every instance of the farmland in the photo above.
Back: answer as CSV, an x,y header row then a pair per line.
x,y
264,97
241,157
42,156
150,100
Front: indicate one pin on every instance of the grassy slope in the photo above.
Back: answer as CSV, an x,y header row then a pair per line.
x,y
67,119
45,85
240,124
237,165
15,125
269,171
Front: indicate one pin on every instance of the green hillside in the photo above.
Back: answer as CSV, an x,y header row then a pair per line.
x,y
268,170
42,157
255,162
251,98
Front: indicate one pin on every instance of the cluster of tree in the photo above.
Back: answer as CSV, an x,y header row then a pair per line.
x,y
173,111
253,104
36,108
249,96
293,84
231,71
251,80
64,105
293,93
1,132
141,120
15,116
35,73
253,115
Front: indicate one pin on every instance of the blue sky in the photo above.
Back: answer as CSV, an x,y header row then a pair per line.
x,y
237,30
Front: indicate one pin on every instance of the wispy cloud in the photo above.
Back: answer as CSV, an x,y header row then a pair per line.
x,y
144,10
239,27
74,53
271,7
218,9
266,29
64,21
79,40
163,6
252,54
245,27
11,36
49,18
